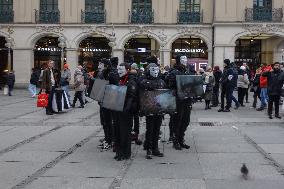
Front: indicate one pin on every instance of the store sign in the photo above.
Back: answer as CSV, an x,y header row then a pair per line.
x,y
189,51
52,49
94,50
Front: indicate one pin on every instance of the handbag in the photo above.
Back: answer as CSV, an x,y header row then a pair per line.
x,y
6,90
42,100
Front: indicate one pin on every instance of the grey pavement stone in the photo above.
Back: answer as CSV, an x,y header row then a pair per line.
x,y
273,148
227,166
154,183
243,184
71,183
29,156
279,158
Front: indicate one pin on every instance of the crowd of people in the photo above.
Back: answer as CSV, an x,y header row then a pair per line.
x,y
121,128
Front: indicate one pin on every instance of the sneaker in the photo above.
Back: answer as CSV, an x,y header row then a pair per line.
x,y
227,110
260,109
183,145
157,153
221,110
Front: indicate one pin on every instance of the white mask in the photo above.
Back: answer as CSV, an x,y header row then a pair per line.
x,y
101,67
154,71
183,60
121,71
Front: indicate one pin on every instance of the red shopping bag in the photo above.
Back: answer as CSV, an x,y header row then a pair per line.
x,y
42,100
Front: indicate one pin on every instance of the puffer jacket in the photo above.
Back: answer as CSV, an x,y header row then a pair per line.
x,y
79,80
243,81
263,80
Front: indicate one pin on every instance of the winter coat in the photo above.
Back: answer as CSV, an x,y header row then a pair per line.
x,y
65,77
132,93
151,83
10,79
46,79
209,81
217,76
243,81
229,71
263,80
79,80
275,82
34,77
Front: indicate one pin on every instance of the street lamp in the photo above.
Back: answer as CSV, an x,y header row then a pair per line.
x,y
62,45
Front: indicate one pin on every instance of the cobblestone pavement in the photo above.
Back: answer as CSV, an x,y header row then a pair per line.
x,y
60,151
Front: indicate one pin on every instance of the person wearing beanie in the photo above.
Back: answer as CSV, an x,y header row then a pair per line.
x,y
243,84
180,120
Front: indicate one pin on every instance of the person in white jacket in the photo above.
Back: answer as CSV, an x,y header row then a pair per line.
x,y
243,84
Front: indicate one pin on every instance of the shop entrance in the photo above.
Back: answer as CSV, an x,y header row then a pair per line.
x,y
4,60
47,49
194,48
138,49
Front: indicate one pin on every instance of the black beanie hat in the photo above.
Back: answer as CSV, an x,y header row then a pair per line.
x,y
152,59
227,61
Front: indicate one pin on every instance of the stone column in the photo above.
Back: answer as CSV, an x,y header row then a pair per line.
x,y
72,60
223,52
210,61
23,62
165,57
118,53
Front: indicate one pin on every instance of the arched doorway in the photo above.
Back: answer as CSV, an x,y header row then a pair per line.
x,y
139,48
255,49
194,48
92,49
4,60
46,48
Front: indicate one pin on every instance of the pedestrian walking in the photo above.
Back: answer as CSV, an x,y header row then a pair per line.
x,y
10,81
275,79
216,89
34,82
79,87
263,87
243,83
209,82
65,80
255,87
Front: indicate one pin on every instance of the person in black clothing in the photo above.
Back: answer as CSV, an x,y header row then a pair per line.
x,y
275,82
34,82
228,82
152,81
10,81
217,75
123,129
182,118
256,87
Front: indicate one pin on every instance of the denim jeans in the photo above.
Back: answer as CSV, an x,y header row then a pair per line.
x,y
264,97
32,89
66,89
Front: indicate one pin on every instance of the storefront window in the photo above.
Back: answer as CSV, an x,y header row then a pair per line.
x,y
93,49
47,49
249,51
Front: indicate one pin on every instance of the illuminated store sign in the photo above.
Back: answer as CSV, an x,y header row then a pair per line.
x,y
53,49
189,51
94,50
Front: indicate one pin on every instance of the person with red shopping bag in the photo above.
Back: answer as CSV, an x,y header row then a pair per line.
x,y
49,83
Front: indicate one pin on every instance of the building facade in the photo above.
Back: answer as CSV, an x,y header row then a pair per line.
x,y
75,31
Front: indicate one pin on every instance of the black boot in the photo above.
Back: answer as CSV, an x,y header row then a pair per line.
x,y
157,153
149,154
176,145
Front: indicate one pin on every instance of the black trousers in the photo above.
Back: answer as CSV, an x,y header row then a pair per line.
x,y
153,126
181,119
273,99
136,123
78,95
255,96
123,134
215,97
50,97
107,125
241,95
171,124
